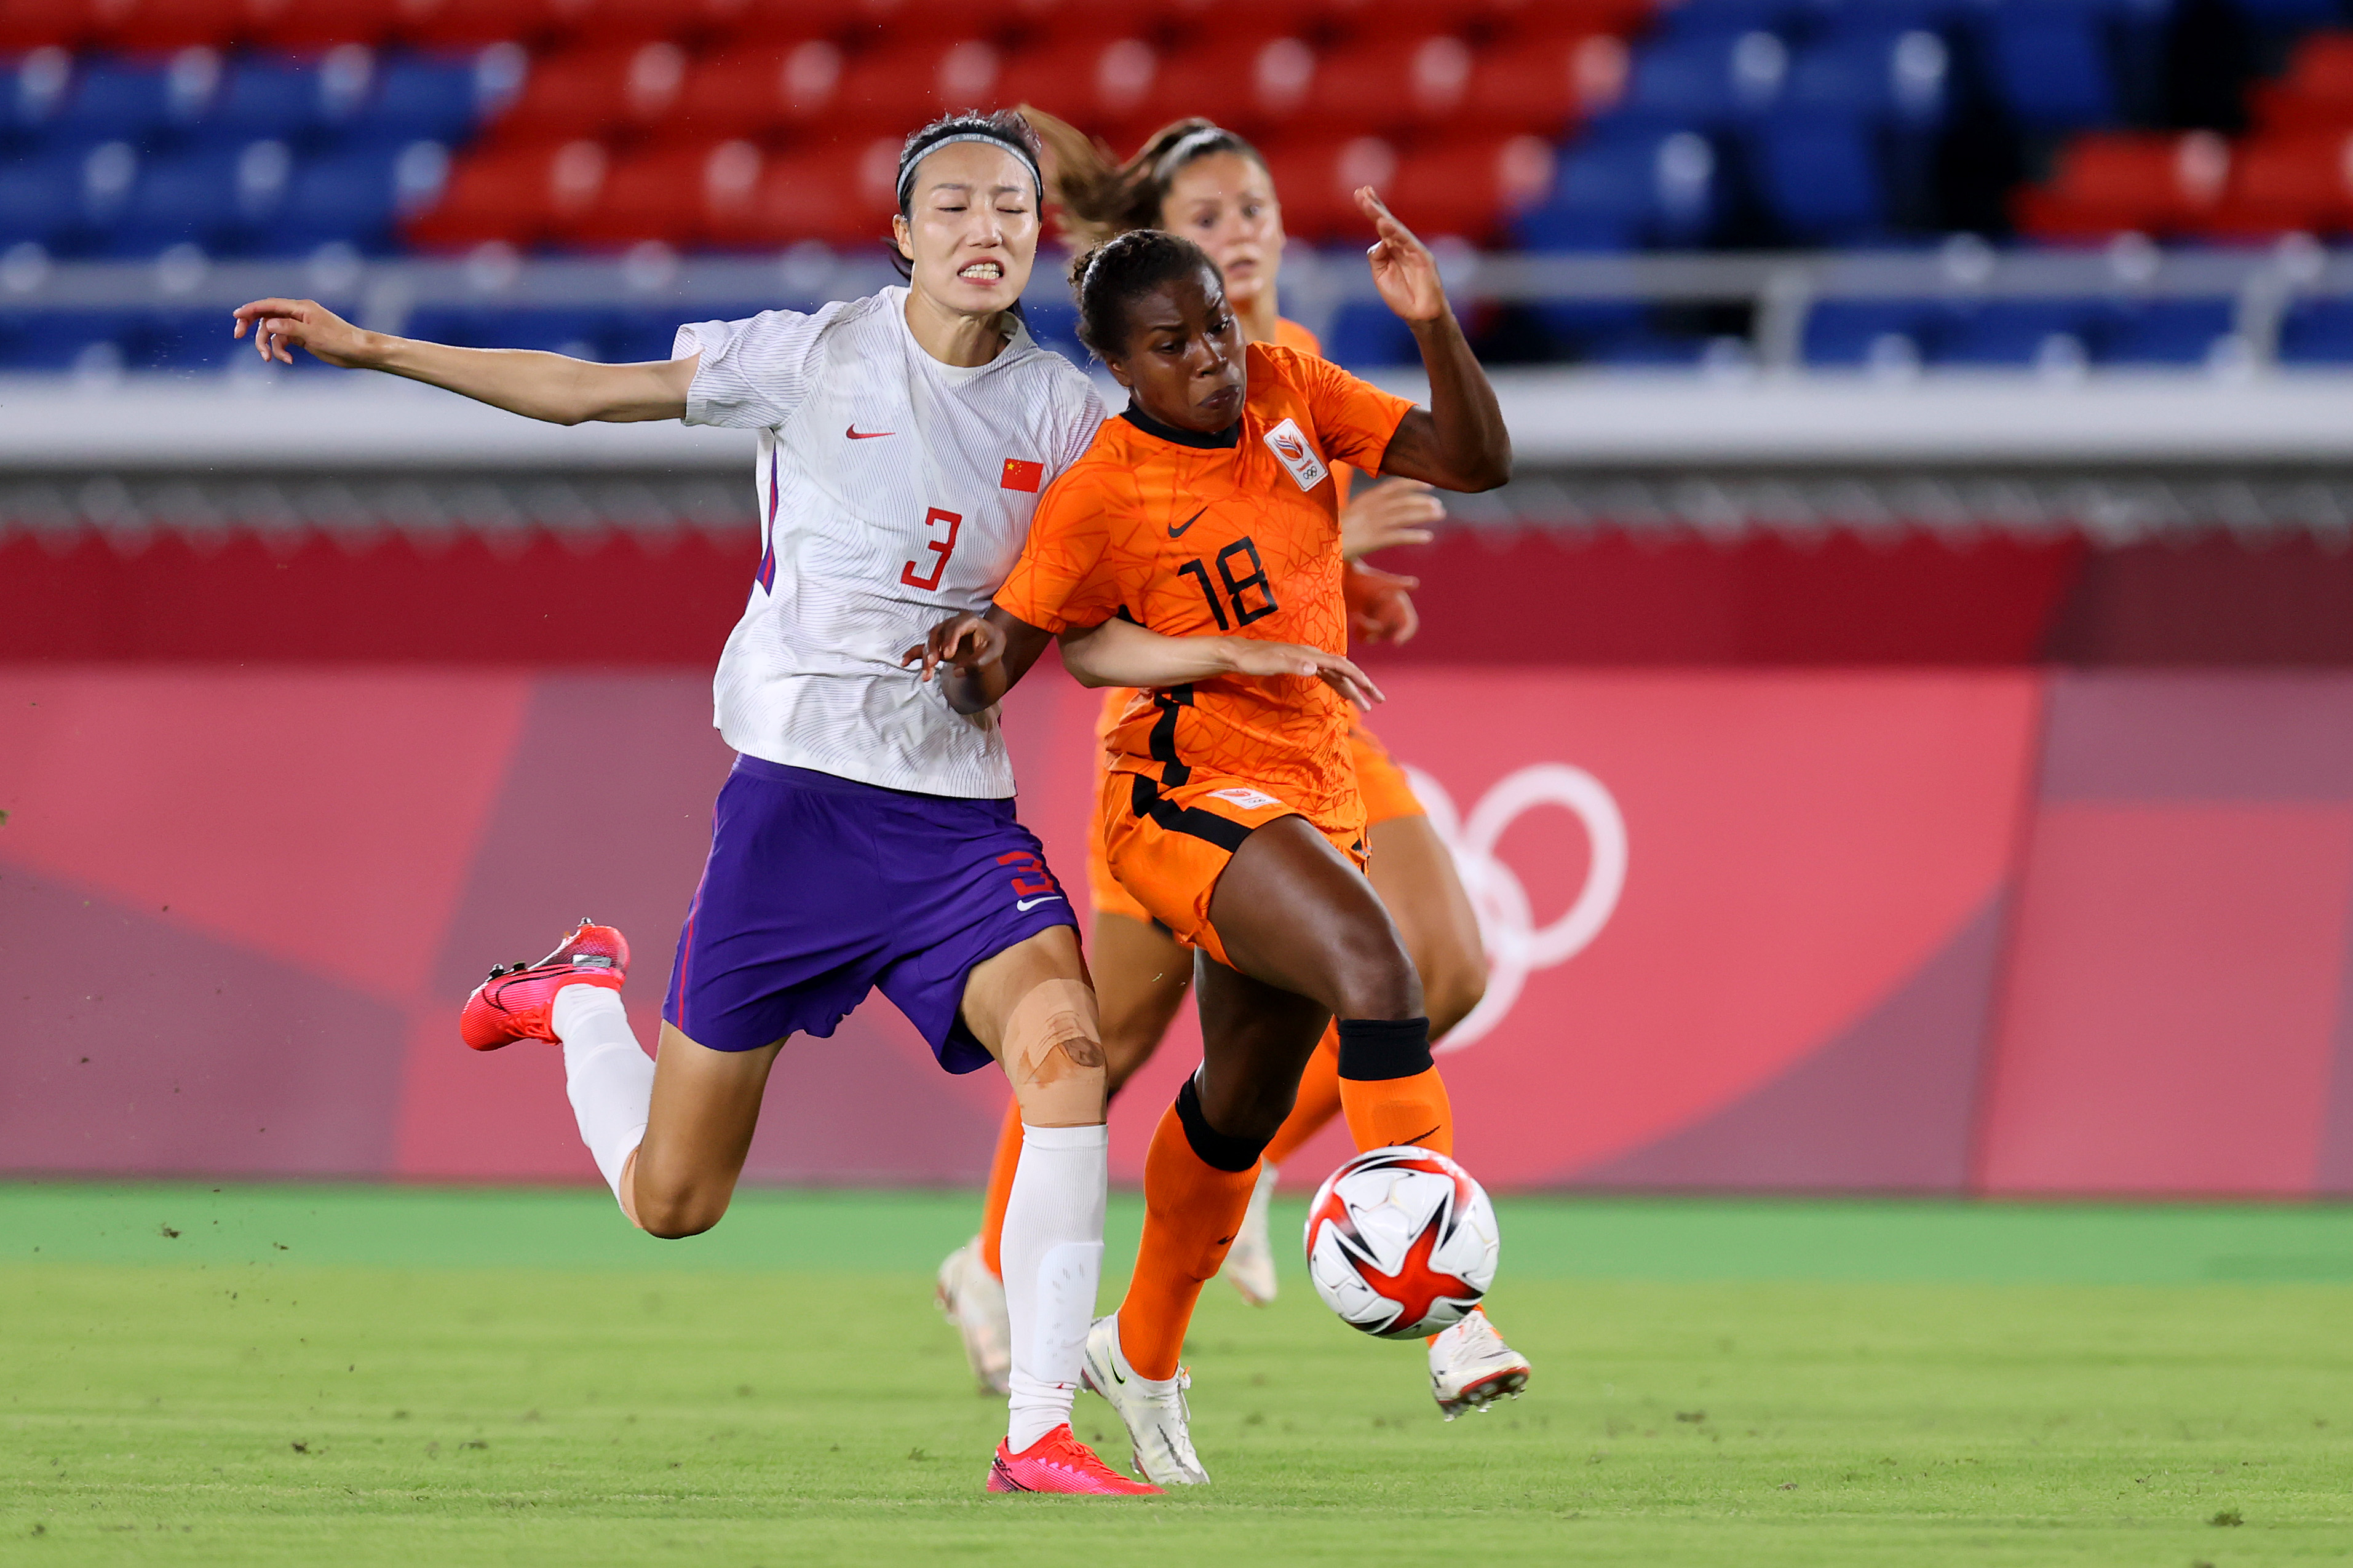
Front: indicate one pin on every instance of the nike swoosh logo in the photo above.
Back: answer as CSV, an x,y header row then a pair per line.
x,y
1417,1138
1026,904
855,434
1178,531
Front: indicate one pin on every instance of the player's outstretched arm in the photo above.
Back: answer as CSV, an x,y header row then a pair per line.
x,y
1120,653
978,657
1459,442
554,387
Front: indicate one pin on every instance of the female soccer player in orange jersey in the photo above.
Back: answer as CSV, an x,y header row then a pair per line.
x,y
1200,180
1232,813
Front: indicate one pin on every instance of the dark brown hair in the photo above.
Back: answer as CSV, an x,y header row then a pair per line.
x,y
1122,270
1098,196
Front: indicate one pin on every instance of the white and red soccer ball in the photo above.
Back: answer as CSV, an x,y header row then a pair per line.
x,y
1401,1242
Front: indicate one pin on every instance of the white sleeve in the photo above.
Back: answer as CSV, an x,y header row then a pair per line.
x,y
753,373
1081,415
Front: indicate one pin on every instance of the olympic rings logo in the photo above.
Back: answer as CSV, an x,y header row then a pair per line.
x,y
1515,945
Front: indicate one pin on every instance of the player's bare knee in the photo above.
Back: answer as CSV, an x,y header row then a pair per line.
x,y
1375,979
1053,1054
1449,993
674,1217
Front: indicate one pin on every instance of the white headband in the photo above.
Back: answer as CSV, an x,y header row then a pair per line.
x,y
995,139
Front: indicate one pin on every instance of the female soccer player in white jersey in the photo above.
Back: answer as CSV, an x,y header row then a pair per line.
x,y
866,839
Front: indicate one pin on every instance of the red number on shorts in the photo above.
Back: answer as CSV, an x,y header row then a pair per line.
x,y
1033,866
943,548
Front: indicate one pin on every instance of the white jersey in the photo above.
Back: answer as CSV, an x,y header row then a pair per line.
x,y
893,490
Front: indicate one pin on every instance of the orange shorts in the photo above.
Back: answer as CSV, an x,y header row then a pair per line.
x,y
1389,795
1164,847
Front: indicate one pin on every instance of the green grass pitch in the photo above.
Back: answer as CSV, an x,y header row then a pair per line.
x,y
355,1376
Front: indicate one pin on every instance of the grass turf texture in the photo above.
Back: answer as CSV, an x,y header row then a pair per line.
x,y
261,1375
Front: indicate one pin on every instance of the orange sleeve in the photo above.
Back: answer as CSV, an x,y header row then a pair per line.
x,y
1060,582
1354,420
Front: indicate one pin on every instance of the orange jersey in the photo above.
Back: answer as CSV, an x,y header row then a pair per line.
x,y
1239,534
1289,334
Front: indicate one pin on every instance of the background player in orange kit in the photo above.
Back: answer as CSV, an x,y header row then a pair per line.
x,y
1207,510
1200,180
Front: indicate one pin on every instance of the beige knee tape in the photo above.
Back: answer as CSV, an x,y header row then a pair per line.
x,y
1054,1055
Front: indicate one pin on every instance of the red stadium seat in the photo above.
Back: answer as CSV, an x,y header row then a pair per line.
x,y
1242,22
787,21
1542,85
2316,93
1203,80
642,21
151,26
898,88
1393,83
513,193
583,92
1101,86
1469,189
840,193
1314,179
320,23
659,193
438,22
1524,21
2286,184
2108,183
759,91
45,24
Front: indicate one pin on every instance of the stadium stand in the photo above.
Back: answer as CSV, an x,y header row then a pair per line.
x,y
131,129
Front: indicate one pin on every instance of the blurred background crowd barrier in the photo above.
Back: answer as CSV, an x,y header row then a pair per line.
x,y
1898,721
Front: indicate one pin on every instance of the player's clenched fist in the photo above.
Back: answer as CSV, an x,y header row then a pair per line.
x,y
278,325
964,641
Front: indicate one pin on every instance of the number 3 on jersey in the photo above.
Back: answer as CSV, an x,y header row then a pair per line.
x,y
941,549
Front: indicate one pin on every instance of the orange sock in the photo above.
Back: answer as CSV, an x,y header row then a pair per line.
x,y
1390,1090
1000,1189
1318,1101
1191,1210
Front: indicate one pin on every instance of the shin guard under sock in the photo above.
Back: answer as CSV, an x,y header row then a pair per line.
x,y
1390,1091
1197,1183
1317,1103
1000,1190
1053,1260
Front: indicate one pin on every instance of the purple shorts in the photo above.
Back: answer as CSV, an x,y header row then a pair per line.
x,y
819,890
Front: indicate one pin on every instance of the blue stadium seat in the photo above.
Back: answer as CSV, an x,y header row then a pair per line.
x,y
2051,64
1707,79
135,101
2018,333
1054,322
1901,76
68,339
1693,19
2166,332
40,199
187,340
584,334
36,85
1366,332
1854,333
1820,178
351,196
2285,14
291,101
2317,332
1650,186
432,97
1605,331
189,197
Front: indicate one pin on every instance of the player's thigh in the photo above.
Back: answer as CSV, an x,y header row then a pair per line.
x,y
1414,873
1142,974
698,1130
1255,1042
1294,912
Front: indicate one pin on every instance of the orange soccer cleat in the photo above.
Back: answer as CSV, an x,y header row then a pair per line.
x,y
1059,1462
514,1002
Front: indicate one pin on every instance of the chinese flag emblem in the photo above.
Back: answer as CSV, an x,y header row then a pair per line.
x,y
1020,475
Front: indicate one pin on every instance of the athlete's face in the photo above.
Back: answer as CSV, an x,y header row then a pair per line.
x,y
1225,203
1184,356
971,228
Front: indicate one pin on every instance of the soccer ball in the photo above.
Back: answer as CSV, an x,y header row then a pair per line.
x,y
1401,1242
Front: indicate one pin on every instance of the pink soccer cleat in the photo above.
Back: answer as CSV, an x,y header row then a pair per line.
x,y
514,1002
1059,1462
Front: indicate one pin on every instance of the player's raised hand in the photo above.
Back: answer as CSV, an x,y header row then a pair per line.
x,y
1403,270
1380,604
1398,512
1248,655
279,325
963,640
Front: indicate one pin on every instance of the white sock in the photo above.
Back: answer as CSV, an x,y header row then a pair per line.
x,y
607,1075
1052,1253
